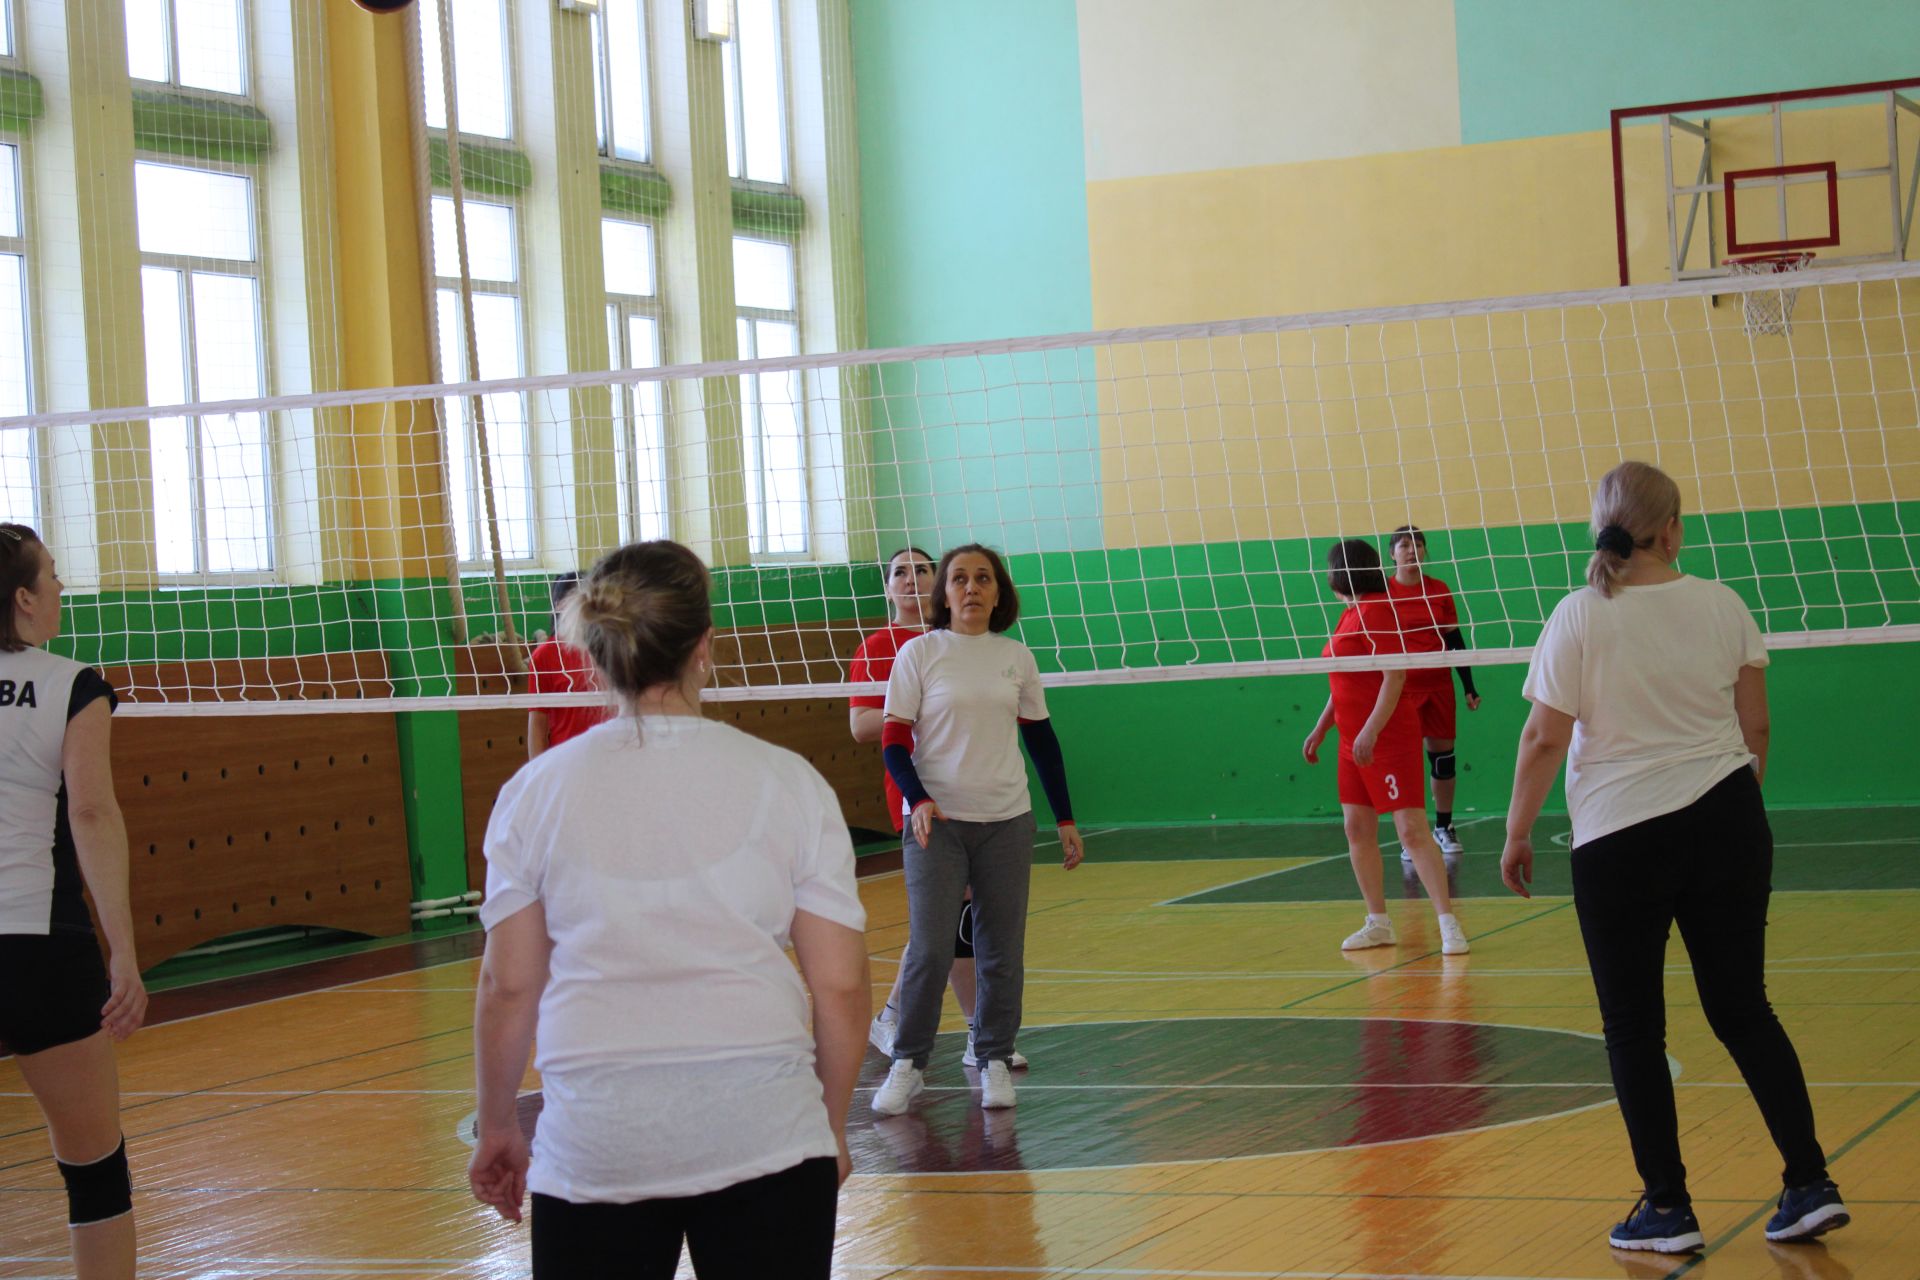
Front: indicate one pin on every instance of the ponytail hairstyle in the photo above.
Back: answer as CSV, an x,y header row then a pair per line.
x,y
21,558
1353,569
639,613
1633,504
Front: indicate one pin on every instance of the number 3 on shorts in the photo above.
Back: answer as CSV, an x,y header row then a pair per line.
x,y
1393,787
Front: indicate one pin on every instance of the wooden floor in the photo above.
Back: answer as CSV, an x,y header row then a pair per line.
x,y
1216,1091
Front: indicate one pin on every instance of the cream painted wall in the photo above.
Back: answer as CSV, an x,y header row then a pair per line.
x,y
1181,87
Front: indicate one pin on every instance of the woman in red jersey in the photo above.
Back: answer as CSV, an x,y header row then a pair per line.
x,y
555,666
1379,749
1430,624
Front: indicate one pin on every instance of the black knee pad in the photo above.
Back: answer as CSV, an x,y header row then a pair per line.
x,y
963,933
1440,765
98,1191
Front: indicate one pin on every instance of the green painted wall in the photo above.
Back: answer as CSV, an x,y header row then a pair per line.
x,y
974,216
1534,70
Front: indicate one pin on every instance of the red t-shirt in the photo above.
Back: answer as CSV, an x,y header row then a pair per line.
x,y
1426,612
554,667
1369,626
873,660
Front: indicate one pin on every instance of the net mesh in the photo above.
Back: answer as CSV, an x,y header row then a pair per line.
x,y
1165,496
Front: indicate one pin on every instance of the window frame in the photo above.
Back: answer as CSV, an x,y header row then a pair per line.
x,y
256,269
603,83
752,417
621,309
248,77
517,290
509,49
17,246
734,116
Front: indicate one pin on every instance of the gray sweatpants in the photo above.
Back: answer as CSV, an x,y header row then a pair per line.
x,y
996,858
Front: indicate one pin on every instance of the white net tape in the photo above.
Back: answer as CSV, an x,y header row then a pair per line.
x,y
1165,495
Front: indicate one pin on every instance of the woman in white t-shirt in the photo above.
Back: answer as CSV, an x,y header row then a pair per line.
x,y
960,701
61,1008
643,882
1657,683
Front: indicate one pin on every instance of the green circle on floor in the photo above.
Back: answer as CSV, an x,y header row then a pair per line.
x,y
1106,1094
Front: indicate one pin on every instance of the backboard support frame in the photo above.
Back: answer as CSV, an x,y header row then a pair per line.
x,y
1675,116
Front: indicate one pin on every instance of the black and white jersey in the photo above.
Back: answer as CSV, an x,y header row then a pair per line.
x,y
39,874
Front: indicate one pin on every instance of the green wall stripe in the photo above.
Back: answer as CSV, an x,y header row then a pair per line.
x,y
1532,70
1816,568
21,100
197,128
639,190
486,168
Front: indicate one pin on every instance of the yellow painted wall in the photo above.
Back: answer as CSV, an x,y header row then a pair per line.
x,y
1508,419
1478,421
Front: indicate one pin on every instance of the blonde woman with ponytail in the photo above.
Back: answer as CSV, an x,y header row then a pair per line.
x,y
644,880
1651,685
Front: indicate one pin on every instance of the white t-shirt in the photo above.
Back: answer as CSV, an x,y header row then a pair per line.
x,y
675,1047
966,696
1648,677
39,867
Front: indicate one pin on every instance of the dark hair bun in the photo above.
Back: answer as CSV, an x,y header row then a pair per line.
x,y
1615,541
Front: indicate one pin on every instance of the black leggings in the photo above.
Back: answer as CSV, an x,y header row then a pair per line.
x,y
1708,867
777,1225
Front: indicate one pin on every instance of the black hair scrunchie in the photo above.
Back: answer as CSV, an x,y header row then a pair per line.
x,y
1616,540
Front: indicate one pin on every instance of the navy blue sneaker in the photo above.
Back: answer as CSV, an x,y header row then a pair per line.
x,y
1806,1212
1658,1230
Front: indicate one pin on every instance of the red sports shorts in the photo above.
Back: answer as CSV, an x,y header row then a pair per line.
x,y
1395,779
1439,713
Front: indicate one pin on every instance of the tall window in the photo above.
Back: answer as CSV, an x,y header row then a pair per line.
x,y
633,341
6,28
482,74
620,103
493,260
18,493
756,90
200,294
196,44
773,414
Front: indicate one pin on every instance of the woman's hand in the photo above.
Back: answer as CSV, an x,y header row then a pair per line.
x,y
1516,865
498,1171
1311,747
1363,744
126,1006
1473,702
1073,847
922,822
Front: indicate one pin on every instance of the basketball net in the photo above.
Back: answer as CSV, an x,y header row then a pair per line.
x,y
1769,311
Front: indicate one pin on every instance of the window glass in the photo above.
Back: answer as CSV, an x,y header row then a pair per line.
x,y
763,274
193,213
480,70
490,247
626,250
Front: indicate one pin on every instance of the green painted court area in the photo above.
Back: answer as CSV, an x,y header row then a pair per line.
x,y
1122,1093
1815,850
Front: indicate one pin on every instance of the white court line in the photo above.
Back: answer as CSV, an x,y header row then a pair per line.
x,y
1277,871
1065,1272
1438,975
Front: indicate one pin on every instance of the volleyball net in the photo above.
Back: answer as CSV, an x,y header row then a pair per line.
x,y
1165,496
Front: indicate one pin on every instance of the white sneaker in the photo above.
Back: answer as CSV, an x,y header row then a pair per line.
x,y
996,1085
903,1084
882,1032
968,1060
1453,939
1448,841
1370,935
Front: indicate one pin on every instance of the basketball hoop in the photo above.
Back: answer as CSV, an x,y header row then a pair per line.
x,y
1769,311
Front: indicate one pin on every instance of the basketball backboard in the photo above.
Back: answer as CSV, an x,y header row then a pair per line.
x,y
1830,172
